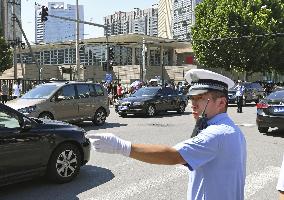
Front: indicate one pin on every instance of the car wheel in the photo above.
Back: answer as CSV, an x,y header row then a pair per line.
x,y
46,115
64,163
181,108
99,117
150,111
263,129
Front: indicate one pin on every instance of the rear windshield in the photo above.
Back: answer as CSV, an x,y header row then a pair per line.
x,y
276,95
40,92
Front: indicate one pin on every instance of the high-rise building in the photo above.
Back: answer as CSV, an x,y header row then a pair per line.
x,y
137,21
6,20
165,19
183,18
57,30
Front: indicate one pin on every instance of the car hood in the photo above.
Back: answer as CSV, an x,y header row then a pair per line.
x,y
23,103
54,124
135,99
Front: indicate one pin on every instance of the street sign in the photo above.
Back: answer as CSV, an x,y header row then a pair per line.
x,y
108,78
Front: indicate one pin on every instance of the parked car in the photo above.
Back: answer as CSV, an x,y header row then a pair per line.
x,y
270,111
31,147
150,100
253,93
66,101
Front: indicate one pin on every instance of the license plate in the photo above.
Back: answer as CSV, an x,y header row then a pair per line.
x,y
278,109
122,107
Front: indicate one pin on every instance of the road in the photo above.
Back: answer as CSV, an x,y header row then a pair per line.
x,y
114,177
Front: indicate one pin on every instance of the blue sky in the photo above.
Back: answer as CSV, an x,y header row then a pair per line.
x,y
94,11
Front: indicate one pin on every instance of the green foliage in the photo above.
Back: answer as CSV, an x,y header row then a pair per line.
x,y
240,35
6,58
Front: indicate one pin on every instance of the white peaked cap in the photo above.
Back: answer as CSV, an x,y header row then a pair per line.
x,y
203,81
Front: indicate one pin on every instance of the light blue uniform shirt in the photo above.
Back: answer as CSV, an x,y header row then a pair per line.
x,y
217,156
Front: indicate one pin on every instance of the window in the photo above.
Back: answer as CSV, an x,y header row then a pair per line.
x,y
99,90
68,92
8,120
83,90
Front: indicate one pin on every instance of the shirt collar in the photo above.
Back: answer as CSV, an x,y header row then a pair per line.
x,y
217,118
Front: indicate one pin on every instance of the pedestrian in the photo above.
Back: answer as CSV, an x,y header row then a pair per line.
x,y
216,157
280,184
4,92
239,95
119,91
17,88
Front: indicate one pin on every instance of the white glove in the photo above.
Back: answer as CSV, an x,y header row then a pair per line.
x,y
109,143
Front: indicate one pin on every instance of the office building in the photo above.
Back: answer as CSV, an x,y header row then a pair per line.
x,y
58,30
137,21
165,19
6,20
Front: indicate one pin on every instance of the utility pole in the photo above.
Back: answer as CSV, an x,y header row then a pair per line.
x,y
14,41
77,42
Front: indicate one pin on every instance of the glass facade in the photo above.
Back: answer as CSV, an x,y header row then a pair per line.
x,y
94,55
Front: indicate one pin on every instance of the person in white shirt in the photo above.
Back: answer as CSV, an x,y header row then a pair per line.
x,y
17,88
280,184
239,94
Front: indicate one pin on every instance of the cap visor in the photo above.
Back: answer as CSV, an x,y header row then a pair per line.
x,y
197,92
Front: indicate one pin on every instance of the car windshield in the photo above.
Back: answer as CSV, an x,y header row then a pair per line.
x,y
276,95
143,92
40,92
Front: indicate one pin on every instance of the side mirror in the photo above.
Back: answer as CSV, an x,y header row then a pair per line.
x,y
27,124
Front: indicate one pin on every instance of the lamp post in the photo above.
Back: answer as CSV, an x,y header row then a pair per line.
x,y
77,42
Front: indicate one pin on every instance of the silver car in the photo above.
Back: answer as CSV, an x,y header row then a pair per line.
x,y
66,101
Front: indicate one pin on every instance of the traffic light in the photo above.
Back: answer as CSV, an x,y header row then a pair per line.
x,y
44,13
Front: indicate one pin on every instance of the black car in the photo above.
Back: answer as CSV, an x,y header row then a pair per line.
x,y
253,93
150,100
270,112
31,147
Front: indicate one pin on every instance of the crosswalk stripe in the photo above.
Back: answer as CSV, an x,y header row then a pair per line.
x,y
254,183
257,180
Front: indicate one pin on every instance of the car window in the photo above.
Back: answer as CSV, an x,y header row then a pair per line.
x,y
8,121
276,95
83,90
99,90
40,92
144,92
68,92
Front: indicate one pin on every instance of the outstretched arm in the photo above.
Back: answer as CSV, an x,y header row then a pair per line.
x,y
154,154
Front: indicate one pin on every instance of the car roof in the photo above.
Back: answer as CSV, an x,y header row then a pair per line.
x,y
60,83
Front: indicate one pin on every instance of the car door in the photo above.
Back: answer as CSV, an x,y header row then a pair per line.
x,y
20,151
65,103
86,103
170,98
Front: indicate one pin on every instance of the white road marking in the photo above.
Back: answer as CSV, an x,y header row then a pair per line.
x,y
126,192
257,180
247,125
254,183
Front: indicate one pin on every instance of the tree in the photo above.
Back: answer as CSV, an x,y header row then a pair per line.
x,y
241,35
5,55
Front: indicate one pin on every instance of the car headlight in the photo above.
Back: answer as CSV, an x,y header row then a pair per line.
x,y
138,103
27,110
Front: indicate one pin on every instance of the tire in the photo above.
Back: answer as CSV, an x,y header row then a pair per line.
x,y
181,108
64,163
263,129
46,115
150,111
100,117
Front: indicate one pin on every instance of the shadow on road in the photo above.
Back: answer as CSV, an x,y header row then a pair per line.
x,y
276,133
89,125
159,115
89,177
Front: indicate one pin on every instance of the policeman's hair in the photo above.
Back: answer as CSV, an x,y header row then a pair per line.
x,y
218,94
